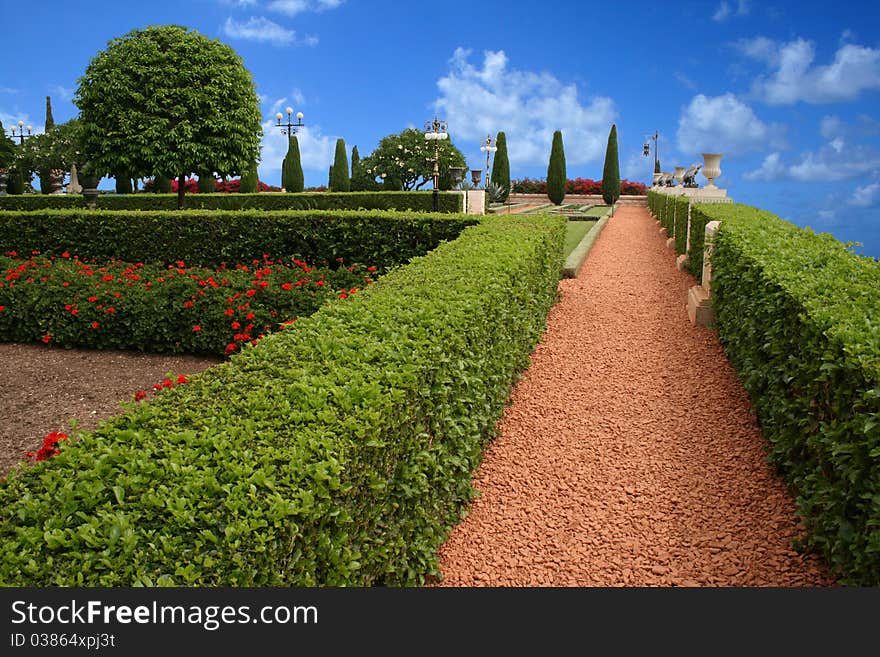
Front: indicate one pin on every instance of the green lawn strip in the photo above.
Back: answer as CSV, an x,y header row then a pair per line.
x,y
574,233
338,452
575,260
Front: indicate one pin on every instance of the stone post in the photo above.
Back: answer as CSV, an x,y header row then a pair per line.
x,y
699,298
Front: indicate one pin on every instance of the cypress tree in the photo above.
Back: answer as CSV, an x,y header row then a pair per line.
x,y
340,181
163,184
657,166
206,183
123,184
355,165
556,176
611,172
501,168
291,169
45,174
249,181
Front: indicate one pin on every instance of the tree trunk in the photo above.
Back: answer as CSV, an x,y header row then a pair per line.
x,y
181,190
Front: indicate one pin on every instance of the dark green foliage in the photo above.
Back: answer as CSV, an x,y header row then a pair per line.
x,y
501,167
392,184
292,179
680,206
7,148
163,186
798,315
45,174
210,238
700,216
14,182
355,164
207,183
340,180
123,184
338,452
556,175
249,181
167,99
412,201
657,167
611,170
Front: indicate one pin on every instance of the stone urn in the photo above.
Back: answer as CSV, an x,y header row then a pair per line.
x,y
89,184
711,168
678,174
56,181
457,175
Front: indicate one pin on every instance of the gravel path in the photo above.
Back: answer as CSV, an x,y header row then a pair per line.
x,y
629,456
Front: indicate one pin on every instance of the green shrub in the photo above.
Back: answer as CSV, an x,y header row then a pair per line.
x,y
292,179
403,201
611,170
249,181
556,176
66,302
338,452
340,181
211,238
680,205
799,318
701,214
501,167
123,184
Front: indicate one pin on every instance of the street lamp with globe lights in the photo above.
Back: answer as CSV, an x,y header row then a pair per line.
x,y
21,136
436,131
289,128
489,149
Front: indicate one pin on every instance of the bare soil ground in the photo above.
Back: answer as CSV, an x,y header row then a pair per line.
x,y
630,455
44,388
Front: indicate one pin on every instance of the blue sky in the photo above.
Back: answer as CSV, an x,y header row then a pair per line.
x,y
789,92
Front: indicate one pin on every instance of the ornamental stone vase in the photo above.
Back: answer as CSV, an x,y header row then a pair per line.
x,y
90,188
711,168
56,181
678,174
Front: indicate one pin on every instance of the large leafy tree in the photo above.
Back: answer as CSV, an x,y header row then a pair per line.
x,y
501,166
407,159
339,177
58,148
611,172
168,101
556,177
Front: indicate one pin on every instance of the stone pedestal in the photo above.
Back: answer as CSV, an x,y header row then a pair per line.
x,y
670,243
476,201
700,307
681,262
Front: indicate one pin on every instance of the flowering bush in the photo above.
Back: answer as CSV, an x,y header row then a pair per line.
x,y
49,448
577,186
68,302
221,186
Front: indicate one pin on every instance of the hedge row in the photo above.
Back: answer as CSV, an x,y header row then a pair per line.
x,y
449,202
702,214
680,210
66,302
210,238
338,452
799,317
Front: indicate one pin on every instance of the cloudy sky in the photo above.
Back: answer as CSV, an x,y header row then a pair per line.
x,y
788,92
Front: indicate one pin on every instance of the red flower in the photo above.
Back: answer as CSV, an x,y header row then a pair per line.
x,y
46,338
235,326
182,379
286,286
229,312
250,293
187,304
107,277
319,283
2,308
197,328
140,395
371,269
95,325
230,348
343,296
65,255
157,386
110,310
93,298
249,316
167,383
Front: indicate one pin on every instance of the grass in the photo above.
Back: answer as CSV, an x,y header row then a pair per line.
x,y
574,233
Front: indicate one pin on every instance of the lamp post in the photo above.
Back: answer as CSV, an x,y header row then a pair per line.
x,y
21,136
436,131
289,128
655,137
489,149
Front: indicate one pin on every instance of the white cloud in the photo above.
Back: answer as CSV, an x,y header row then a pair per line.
x,y
831,127
794,78
866,196
723,124
63,92
258,29
8,90
11,121
527,106
294,7
771,169
725,11
834,161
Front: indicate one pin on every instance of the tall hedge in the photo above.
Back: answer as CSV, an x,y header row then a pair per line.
x,y
355,165
556,176
249,181
799,317
501,167
340,452
340,180
292,179
611,170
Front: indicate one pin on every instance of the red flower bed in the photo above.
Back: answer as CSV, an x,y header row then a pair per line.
x,y
582,186
220,186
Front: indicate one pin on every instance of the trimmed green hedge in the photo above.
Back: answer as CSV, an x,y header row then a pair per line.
x,y
210,238
680,205
338,452
799,317
449,202
702,214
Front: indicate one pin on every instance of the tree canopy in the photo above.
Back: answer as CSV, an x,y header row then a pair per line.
x,y
168,101
408,159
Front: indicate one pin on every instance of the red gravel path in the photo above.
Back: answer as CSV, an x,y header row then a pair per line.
x,y
629,456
